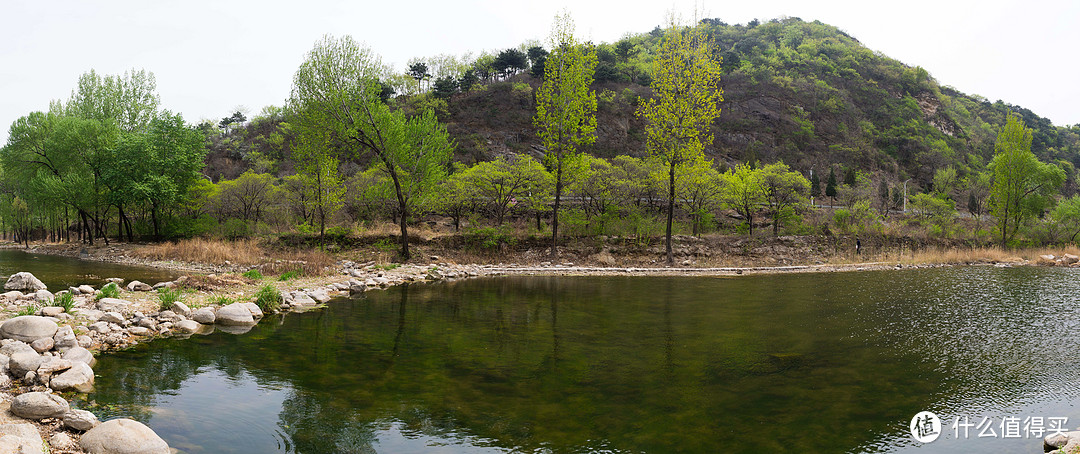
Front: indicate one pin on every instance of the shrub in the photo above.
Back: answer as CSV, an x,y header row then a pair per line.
x,y
268,298
168,296
488,238
221,300
110,290
235,229
66,300
289,275
29,310
253,274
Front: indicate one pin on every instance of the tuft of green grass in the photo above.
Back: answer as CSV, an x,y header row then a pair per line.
x,y
28,310
388,266
253,274
221,300
289,275
168,296
66,300
110,290
268,299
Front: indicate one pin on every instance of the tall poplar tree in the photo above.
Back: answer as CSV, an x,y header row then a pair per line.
x,y
1022,184
565,107
685,102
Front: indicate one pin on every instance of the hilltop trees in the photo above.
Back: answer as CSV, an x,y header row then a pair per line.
x,y
339,113
685,102
565,107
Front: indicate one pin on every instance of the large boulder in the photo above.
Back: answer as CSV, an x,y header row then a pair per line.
x,y
39,405
236,314
123,436
24,361
256,311
24,282
21,438
79,377
28,328
64,338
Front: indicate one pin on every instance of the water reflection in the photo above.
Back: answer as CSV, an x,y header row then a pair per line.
x,y
59,273
797,363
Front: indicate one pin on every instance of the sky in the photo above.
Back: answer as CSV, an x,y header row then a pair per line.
x,y
211,57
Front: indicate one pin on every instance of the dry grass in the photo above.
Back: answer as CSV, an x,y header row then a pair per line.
x,y
958,255
244,253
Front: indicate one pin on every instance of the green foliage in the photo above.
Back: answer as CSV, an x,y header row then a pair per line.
x,y
1022,184
30,309
268,298
234,229
110,290
167,296
65,300
289,275
489,238
221,300
253,274
388,266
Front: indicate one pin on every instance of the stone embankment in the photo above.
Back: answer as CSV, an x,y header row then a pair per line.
x,y
48,349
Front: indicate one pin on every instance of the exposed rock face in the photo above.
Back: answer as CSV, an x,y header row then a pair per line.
x,y
39,405
123,436
28,328
236,314
24,282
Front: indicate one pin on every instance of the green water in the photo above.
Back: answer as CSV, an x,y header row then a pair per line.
x,y
59,273
811,363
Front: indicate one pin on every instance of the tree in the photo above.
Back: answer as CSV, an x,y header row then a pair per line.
x,y
445,87
500,182
1022,184
468,80
830,185
815,185
783,189
418,71
510,61
538,56
685,102
1067,214
336,96
945,181
744,192
700,191
565,107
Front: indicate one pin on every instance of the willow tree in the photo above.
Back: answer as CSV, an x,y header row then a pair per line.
x,y
1023,186
684,105
565,107
337,100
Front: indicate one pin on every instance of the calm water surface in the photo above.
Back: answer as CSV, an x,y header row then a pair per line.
x,y
59,273
809,363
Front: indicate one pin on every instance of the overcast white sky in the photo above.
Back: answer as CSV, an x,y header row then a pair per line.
x,y
212,56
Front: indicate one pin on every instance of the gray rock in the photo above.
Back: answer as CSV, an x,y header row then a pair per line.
x,y
169,284
43,296
20,438
1059,440
256,312
12,295
123,436
64,338
86,289
112,317
80,420
204,316
113,305
181,309
147,322
79,377
79,354
302,299
24,361
24,282
91,315
62,440
43,345
39,405
27,328
186,326
356,287
168,316
53,364
85,341
136,286
319,295
100,327
139,331
236,314
51,311
12,347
